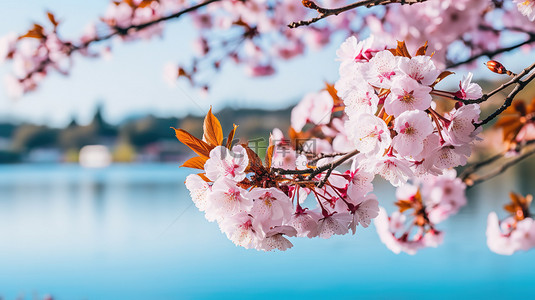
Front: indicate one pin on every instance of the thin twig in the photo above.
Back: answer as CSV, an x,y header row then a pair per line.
x,y
509,99
491,54
469,173
313,172
326,12
471,182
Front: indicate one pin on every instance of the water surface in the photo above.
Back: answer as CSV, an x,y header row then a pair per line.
x,y
131,232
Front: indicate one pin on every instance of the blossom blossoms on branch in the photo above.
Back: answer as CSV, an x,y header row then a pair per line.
x,y
431,200
514,233
258,208
381,117
389,113
258,36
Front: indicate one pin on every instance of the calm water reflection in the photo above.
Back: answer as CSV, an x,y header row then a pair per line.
x,y
131,232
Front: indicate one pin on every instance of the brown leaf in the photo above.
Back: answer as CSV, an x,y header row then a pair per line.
x,y
440,77
203,176
403,205
255,163
36,32
145,3
422,50
231,136
334,94
402,50
213,133
52,19
198,146
269,156
196,162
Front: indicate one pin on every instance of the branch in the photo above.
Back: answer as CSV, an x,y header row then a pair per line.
x,y
125,30
491,54
325,12
313,172
519,85
471,182
469,176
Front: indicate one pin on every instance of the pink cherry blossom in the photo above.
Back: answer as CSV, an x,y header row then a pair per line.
x,y
407,94
360,181
364,209
467,89
225,163
449,156
304,221
412,128
387,228
420,68
7,45
443,195
270,207
336,224
315,108
390,168
361,98
382,69
506,237
199,190
275,240
461,126
369,134
527,8
352,51
227,199
243,230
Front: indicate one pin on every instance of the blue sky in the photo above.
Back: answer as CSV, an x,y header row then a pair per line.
x,y
131,82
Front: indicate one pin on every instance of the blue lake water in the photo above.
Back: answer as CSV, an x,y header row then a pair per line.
x,y
131,232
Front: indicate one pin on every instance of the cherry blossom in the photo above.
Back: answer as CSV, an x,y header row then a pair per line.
x,y
227,199
420,68
225,163
389,227
461,129
407,94
468,89
527,8
315,108
382,69
508,236
199,190
412,127
369,133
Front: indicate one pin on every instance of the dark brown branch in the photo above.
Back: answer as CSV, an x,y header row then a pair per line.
x,y
469,173
519,86
326,12
126,30
514,80
313,172
471,181
491,54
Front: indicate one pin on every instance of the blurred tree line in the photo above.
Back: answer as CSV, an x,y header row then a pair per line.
x,y
131,137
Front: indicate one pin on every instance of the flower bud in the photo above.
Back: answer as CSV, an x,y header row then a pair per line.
x,y
309,4
496,67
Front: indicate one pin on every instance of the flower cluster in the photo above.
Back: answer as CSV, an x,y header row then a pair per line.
x,y
431,200
514,233
259,205
258,33
392,120
442,23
